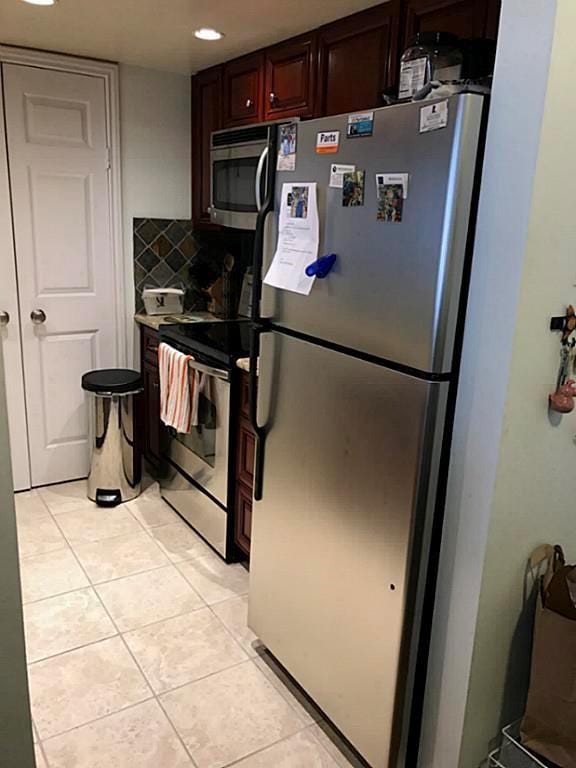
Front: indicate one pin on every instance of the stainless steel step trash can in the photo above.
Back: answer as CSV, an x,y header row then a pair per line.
x,y
116,463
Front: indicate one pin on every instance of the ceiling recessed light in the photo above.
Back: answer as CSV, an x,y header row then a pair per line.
x,y
206,33
41,2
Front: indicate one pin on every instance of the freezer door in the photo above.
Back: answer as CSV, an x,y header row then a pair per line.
x,y
348,462
395,288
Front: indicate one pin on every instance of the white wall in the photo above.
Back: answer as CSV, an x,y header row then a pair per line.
x,y
511,484
155,146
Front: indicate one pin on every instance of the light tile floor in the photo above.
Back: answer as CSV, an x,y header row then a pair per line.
x,y
138,646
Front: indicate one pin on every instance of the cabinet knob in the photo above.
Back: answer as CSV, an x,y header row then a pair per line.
x,y
272,98
249,103
4,319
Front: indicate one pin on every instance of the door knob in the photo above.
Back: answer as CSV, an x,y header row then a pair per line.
x,y
38,316
4,319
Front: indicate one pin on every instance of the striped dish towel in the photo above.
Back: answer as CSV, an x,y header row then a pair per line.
x,y
177,389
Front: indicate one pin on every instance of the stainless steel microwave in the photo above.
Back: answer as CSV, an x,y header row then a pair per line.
x,y
238,160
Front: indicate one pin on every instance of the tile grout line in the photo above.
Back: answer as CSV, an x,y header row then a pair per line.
x,y
154,695
275,743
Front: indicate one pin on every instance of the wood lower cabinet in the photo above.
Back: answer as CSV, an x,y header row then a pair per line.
x,y
243,83
206,117
358,60
151,426
245,454
243,526
465,18
290,78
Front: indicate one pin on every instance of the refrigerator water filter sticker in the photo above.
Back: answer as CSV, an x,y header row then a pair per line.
x,y
434,117
298,239
337,171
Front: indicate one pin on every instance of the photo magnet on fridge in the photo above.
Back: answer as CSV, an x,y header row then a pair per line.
x,y
390,202
287,147
353,189
360,124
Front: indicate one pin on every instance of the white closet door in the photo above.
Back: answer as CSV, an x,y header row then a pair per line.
x,y
57,148
10,332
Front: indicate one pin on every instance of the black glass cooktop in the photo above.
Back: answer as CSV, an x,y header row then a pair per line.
x,y
225,341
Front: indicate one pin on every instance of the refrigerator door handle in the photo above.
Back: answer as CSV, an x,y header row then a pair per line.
x,y
259,431
258,182
264,210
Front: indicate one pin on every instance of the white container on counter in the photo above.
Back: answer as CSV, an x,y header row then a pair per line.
x,y
163,301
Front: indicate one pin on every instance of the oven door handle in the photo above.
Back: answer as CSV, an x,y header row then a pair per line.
x,y
218,373
258,181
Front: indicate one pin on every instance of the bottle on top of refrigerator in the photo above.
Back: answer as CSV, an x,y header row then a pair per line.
x,y
432,56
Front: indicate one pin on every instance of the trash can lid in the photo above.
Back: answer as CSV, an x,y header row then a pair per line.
x,y
114,380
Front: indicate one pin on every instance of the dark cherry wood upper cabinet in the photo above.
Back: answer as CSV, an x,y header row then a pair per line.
x,y
465,18
243,83
206,117
290,78
358,59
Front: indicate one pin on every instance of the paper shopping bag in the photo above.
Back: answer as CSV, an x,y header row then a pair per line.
x,y
549,724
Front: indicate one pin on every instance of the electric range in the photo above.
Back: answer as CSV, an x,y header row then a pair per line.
x,y
196,475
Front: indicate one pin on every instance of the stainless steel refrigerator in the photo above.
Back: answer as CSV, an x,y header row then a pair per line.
x,y
356,386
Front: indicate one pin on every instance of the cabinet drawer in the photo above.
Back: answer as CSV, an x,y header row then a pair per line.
x,y
150,343
243,518
246,453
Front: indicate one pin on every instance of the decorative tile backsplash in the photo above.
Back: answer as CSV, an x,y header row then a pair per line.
x,y
163,252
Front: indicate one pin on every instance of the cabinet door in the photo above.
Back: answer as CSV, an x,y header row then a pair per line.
x,y
243,522
465,18
290,79
206,117
246,453
243,90
358,60
151,412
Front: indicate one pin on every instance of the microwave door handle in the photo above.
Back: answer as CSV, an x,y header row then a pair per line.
x,y
258,182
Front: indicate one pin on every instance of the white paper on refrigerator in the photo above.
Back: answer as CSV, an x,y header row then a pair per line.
x,y
298,239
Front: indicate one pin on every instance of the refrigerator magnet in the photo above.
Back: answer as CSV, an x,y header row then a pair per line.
x,y
392,178
390,200
337,171
327,142
433,117
353,189
287,147
360,124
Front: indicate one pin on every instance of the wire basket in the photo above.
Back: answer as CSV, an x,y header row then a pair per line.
x,y
512,754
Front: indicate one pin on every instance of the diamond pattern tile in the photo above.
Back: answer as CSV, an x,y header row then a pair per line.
x,y
175,233
175,260
162,273
148,260
148,231
139,246
163,251
162,246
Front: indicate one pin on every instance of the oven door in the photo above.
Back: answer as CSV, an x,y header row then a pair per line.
x,y
238,184
202,453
